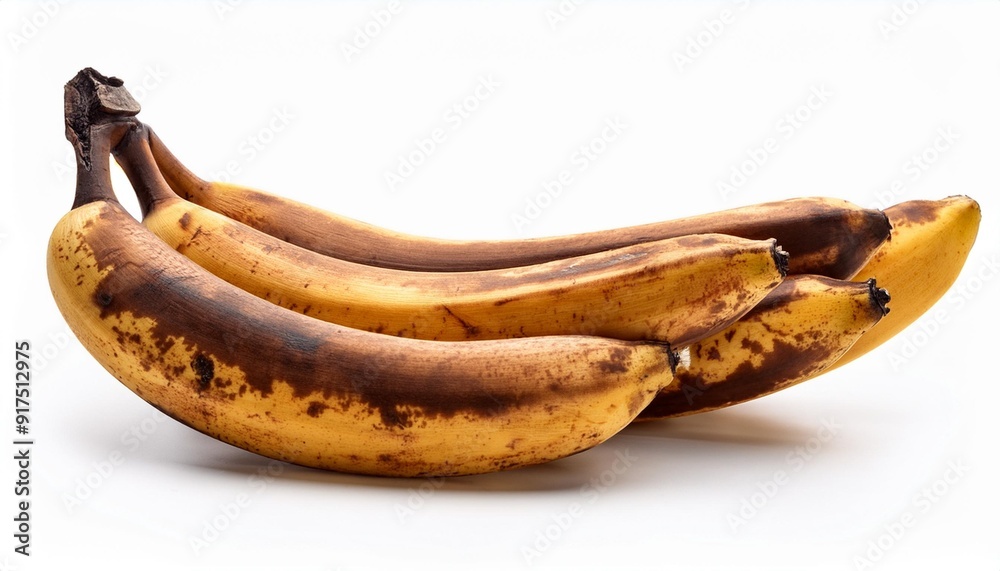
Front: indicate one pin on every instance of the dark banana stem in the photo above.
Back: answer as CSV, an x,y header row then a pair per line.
x,y
878,296
98,113
134,156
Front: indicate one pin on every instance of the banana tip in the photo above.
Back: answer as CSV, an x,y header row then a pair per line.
x,y
679,359
879,297
780,259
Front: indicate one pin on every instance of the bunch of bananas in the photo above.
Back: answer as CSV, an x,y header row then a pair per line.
x,y
315,339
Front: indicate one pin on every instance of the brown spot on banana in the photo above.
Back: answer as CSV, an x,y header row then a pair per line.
x,y
316,408
616,362
204,368
914,213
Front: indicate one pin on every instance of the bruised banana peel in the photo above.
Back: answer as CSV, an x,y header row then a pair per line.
x,y
293,388
826,236
931,240
677,290
796,333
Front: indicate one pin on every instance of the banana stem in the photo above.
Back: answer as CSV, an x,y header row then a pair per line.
x,y
879,297
93,180
98,112
136,159
178,176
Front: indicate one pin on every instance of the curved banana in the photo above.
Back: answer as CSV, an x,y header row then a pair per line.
x,y
798,332
304,391
676,290
931,239
824,236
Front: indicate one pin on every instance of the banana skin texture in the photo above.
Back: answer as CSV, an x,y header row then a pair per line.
x,y
797,333
296,389
930,243
825,236
931,240
677,290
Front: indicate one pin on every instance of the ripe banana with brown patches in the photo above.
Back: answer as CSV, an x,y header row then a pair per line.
x,y
676,290
795,334
825,236
931,240
300,390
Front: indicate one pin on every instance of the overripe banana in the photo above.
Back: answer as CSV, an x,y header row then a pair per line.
x,y
825,236
287,385
931,239
677,290
301,390
796,333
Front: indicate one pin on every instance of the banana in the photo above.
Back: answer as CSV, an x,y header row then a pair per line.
x,y
796,333
931,240
297,389
824,236
763,352
677,290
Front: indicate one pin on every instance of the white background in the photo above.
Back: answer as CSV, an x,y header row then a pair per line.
x,y
214,77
